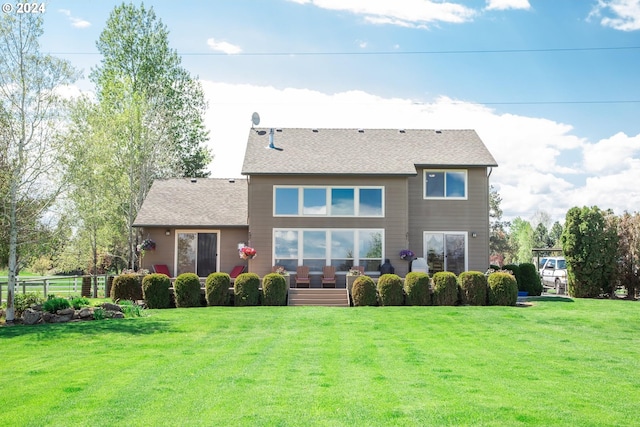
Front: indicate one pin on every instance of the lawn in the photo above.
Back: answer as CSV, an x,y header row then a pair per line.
x,y
559,362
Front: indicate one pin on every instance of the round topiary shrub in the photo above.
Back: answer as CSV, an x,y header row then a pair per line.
x,y
246,290
155,291
529,279
363,291
274,289
445,288
503,289
127,287
473,288
390,290
416,287
187,290
216,289
515,269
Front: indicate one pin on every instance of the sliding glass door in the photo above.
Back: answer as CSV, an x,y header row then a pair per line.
x,y
196,252
446,251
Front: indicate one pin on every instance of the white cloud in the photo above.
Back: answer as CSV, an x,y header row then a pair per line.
x,y
408,13
75,21
222,46
621,15
620,152
508,4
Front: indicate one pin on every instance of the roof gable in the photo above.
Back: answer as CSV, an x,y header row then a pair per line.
x,y
361,151
185,202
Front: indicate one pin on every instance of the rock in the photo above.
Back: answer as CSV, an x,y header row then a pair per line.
x,y
48,317
31,316
62,318
85,313
66,312
117,315
111,307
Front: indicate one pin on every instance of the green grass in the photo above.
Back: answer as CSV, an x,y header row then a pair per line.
x,y
559,362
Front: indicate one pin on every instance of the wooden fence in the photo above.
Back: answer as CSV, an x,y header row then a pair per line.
x,y
58,285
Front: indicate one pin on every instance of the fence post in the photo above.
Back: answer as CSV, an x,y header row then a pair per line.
x,y
86,286
46,287
75,284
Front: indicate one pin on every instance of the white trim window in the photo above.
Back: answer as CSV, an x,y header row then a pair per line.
x,y
316,247
446,251
334,201
445,184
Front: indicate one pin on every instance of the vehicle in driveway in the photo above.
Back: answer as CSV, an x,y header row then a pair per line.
x,y
553,273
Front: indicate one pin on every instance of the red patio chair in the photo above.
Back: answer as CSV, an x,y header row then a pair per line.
x,y
161,269
237,270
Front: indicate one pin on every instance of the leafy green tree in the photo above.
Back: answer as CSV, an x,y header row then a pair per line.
x,y
629,253
589,243
555,233
30,111
498,236
522,241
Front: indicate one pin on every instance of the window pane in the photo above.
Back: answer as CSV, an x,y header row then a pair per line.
x,y
187,244
434,186
371,264
456,184
314,264
315,244
315,201
207,248
286,201
370,202
342,243
342,264
370,244
342,201
434,248
455,253
288,264
286,244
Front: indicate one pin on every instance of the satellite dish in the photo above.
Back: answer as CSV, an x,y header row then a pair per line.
x,y
255,119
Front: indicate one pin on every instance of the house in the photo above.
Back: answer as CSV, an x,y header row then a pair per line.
x,y
340,197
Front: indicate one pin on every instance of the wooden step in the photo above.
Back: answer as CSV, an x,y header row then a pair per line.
x,y
318,296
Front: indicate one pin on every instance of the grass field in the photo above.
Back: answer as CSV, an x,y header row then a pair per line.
x,y
559,362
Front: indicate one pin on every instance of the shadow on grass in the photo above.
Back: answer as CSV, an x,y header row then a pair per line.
x,y
135,326
551,298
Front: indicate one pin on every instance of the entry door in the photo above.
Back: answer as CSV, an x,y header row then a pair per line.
x,y
446,251
196,252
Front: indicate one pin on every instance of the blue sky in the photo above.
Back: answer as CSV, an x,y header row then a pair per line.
x,y
552,87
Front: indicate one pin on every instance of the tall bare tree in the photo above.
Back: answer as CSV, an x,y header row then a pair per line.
x,y
30,107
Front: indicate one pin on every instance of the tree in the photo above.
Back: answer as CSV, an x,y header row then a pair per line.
x,y
555,233
628,255
30,108
521,239
498,237
589,243
154,107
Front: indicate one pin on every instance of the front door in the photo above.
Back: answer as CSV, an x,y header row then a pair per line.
x,y
196,252
446,251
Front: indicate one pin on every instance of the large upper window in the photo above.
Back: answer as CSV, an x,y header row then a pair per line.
x,y
328,201
451,184
315,248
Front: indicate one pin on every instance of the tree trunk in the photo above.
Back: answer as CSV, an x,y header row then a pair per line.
x,y
13,252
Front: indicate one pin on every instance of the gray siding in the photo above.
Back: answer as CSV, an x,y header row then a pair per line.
x,y
471,215
262,222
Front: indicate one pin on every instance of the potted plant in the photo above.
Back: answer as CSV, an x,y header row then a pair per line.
x,y
247,253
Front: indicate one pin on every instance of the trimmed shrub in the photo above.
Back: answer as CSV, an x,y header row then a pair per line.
x,y
27,300
416,287
54,304
274,289
126,287
390,290
363,292
78,302
155,291
216,289
473,288
503,289
187,290
246,290
515,269
445,288
530,280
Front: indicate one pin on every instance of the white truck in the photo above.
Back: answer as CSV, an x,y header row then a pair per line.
x,y
553,273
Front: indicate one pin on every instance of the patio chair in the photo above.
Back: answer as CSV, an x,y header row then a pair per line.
x,y
328,277
302,277
161,269
236,271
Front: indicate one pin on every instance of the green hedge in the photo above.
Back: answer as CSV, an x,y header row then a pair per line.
x,y
187,290
363,292
529,279
390,290
155,291
515,269
416,287
246,290
445,288
217,289
127,287
503,289
473,288
274,289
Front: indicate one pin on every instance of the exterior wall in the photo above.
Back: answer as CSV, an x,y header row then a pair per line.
x,y
470,215
262,221
166,247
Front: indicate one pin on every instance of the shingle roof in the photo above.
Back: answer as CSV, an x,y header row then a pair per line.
x,y
362,151
205,202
